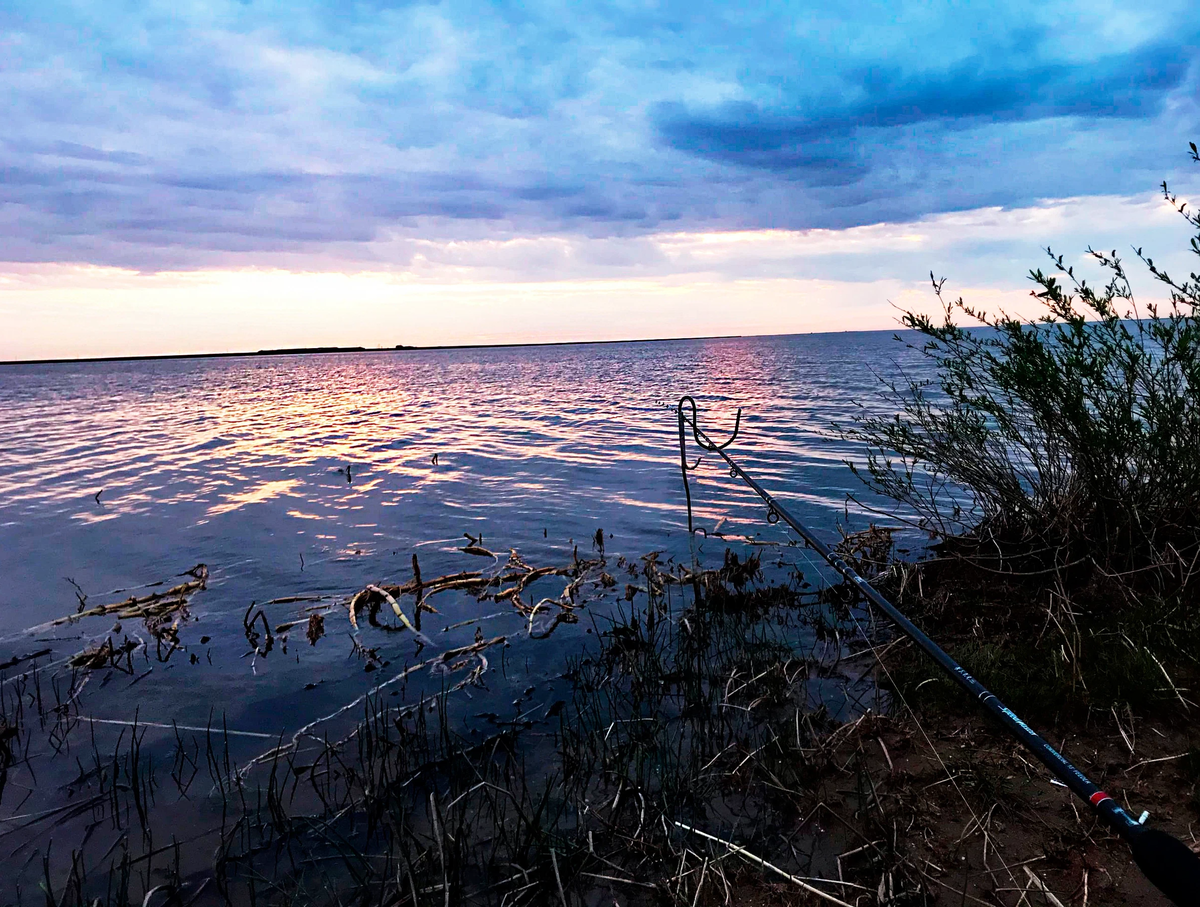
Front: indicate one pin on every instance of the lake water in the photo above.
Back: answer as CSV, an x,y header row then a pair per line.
x,y
241,463
235,463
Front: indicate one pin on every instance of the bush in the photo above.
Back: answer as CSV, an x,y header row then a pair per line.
x,y
1070,437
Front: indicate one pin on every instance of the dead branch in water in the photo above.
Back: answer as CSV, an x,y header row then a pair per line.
x,y
153,605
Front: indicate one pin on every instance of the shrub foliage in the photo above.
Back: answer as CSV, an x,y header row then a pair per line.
x,y
1066,437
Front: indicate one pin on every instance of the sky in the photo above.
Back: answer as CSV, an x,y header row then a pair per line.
x,y
212,176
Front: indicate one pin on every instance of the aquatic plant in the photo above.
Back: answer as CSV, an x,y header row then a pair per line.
x,y
685,736
1069,437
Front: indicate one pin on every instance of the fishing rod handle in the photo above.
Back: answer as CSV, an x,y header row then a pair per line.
x,y
1169,864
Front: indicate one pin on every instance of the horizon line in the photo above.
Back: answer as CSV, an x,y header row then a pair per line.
x,y
399,348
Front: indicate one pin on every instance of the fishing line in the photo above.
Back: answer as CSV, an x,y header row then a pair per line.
x,y
1164,860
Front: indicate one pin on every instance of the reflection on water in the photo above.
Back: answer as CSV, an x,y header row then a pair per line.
x,y
314,475
259,493
241,463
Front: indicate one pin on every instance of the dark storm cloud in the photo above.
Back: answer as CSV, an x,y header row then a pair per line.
x,y
820,144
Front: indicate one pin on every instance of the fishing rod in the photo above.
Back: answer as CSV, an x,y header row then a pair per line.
x,y
1168,863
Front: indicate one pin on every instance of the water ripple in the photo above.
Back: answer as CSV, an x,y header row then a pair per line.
x,y
244,459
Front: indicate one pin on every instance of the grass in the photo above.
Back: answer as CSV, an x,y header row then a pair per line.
x,y
720,738
1049,650
688,699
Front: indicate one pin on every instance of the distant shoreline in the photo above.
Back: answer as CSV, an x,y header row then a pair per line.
x,y
323,350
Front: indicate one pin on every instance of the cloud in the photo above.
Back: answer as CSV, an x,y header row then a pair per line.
x,y
526,288
820,143
154,136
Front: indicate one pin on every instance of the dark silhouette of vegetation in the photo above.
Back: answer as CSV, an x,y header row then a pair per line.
x,y
1073,437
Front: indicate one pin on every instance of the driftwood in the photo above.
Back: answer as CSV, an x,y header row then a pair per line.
x,y
507,586
156,604
161,611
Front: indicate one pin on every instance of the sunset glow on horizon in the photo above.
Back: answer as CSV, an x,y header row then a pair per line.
x,y
504,292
